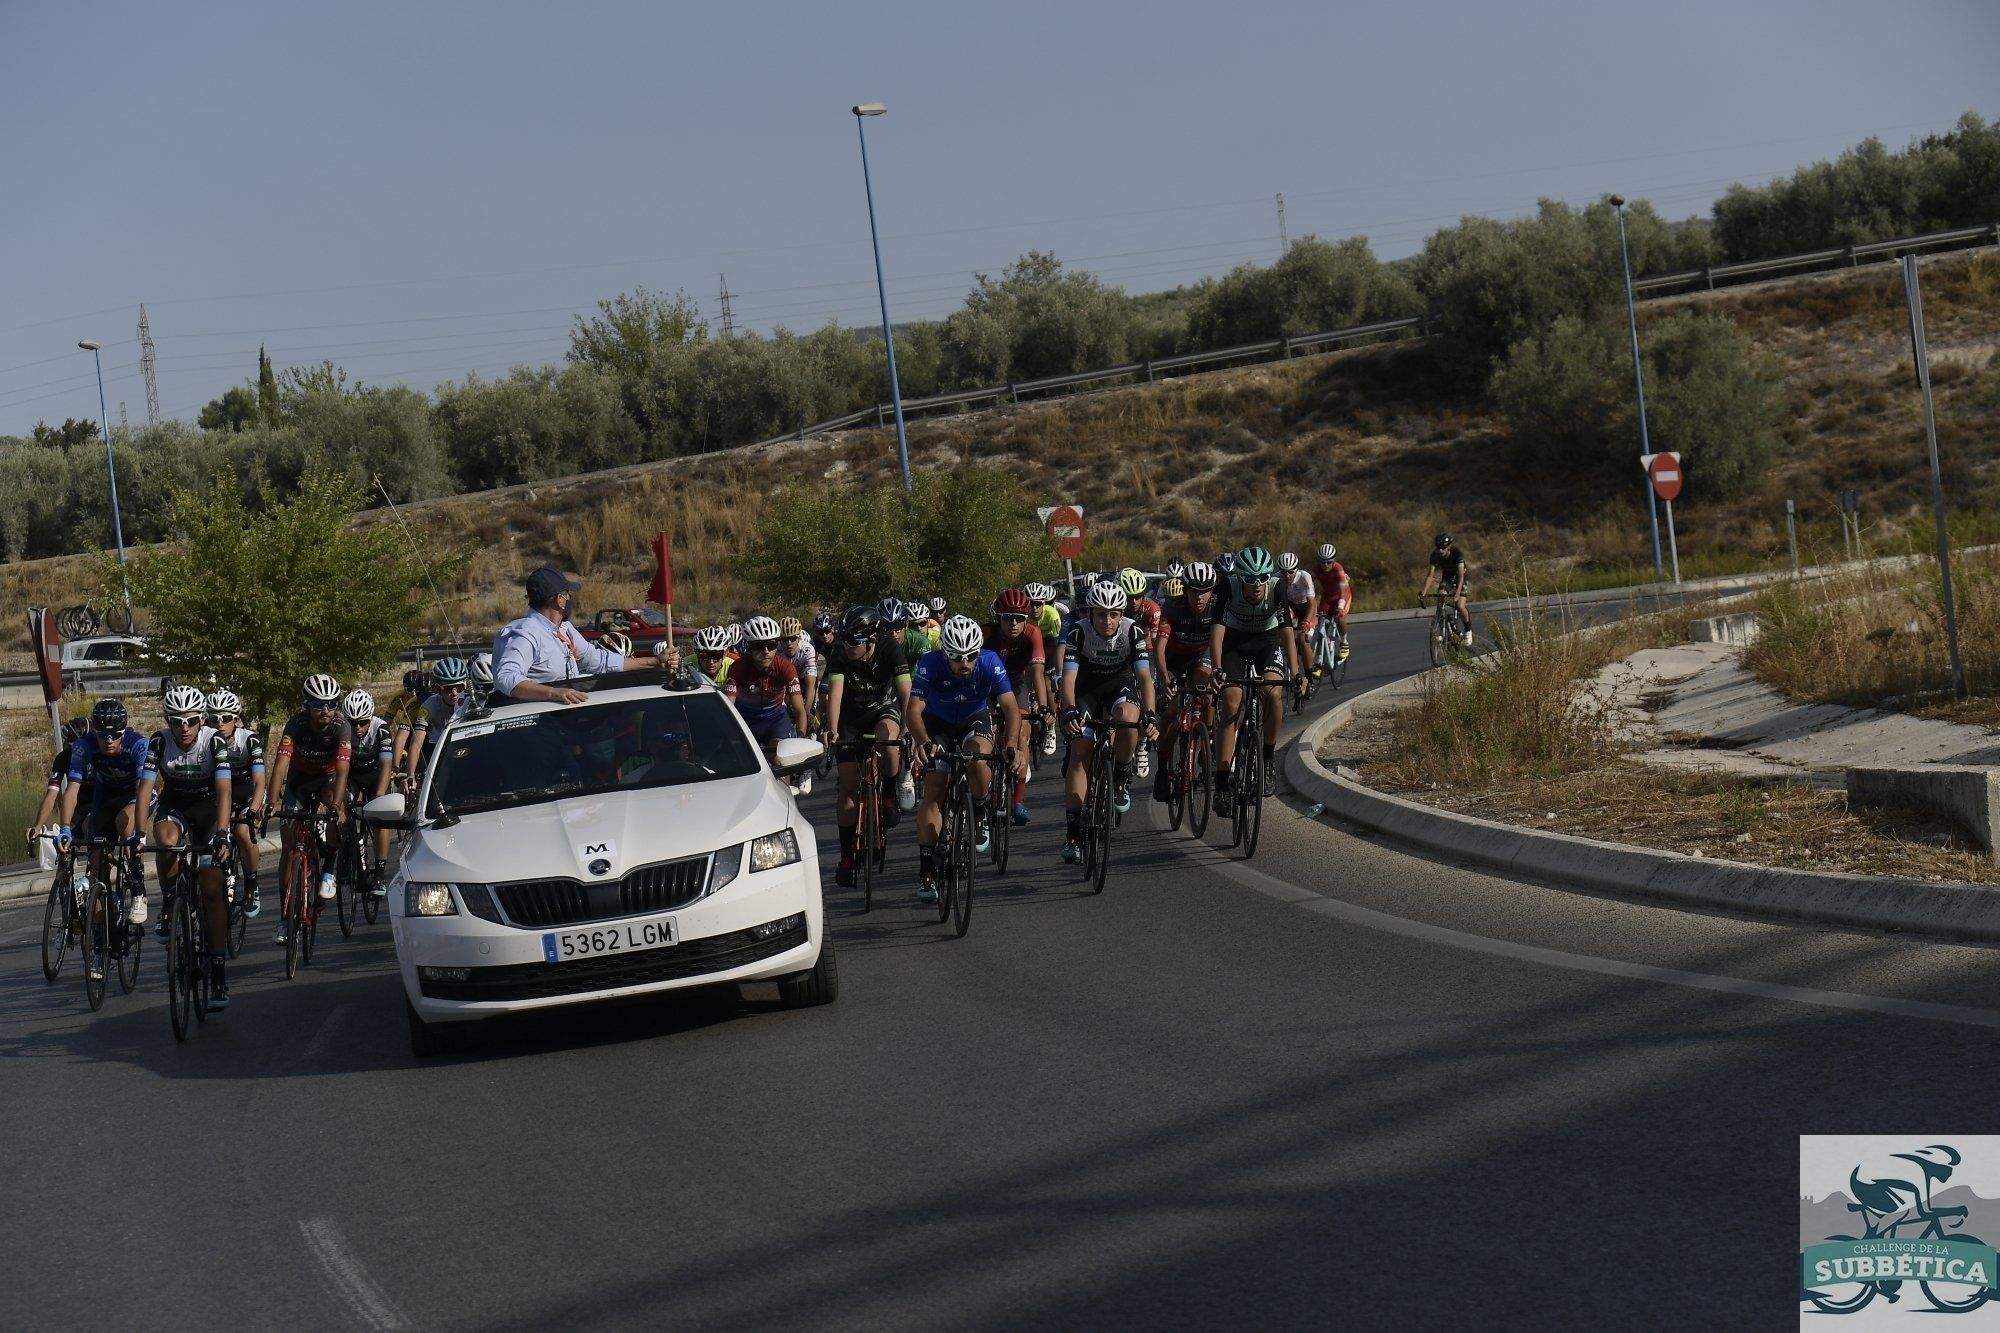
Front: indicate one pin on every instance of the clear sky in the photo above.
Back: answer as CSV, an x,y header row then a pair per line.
x,y
419,190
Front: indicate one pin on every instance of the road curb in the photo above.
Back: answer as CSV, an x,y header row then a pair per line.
x,y
1962,912
18,885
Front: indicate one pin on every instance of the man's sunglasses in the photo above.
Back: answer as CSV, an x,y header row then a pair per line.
x,y
1255,580
962,657
225,717
1012,618
763,646
184,720
314,706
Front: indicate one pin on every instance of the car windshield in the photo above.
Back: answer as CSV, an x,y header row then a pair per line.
x,y
626,746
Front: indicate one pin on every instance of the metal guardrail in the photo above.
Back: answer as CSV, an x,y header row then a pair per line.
x,y
1660,284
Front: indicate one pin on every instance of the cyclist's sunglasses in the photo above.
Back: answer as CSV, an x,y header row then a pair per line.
x,y
453,688
1013,618
326,706
184,719
763,646
962,657
225,717
1255,580
859,640
707,654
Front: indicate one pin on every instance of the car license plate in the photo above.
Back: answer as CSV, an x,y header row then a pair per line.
x,y
564,946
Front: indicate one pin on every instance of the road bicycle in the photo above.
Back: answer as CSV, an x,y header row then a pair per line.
x,y
959,837
84,620
1100,813
109,942
1039,722
240,885
1246,767
1447,630
870,843
1327,640
1000,812
355,875
187,945
62,919
1191,760
298,885
1950,1297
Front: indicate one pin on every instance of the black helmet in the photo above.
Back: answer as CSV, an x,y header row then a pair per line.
x,y
860,622
108,715
823,622
411,679
1443,541
73,728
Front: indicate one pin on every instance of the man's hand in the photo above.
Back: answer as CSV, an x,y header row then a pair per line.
x,y
568,696
668,655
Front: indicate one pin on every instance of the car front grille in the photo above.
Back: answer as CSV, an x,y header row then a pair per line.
x,y
538,981
533,904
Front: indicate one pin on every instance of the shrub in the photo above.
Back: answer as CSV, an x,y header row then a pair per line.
x,y
1709,398
1317,285
1561,394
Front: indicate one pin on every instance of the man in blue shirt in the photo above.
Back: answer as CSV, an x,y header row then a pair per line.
x,y
108,757
535,656
952,693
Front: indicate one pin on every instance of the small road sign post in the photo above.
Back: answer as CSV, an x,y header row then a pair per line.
x,y
1066,531
1664,471
1850,523
1913,293
1792,532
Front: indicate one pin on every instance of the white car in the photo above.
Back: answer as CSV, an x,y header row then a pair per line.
x,y
562,854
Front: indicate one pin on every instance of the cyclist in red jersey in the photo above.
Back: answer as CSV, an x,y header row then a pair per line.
x,y
1012,634
311,768
1336,593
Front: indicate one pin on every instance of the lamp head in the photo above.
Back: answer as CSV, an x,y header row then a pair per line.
x,y
1616,201
90,344
870,109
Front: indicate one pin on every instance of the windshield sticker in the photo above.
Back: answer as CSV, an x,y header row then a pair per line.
x,y
476,729
513,724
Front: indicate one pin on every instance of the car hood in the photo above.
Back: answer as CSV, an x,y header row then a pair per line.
x,y
600,837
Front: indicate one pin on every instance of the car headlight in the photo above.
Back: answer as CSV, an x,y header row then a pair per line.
x,y
728,862
421,899
773,850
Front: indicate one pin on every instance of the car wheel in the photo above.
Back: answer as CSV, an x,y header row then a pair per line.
x,y
428,1039
819,986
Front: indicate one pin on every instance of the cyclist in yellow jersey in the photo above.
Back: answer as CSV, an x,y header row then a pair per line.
x,y
1047,619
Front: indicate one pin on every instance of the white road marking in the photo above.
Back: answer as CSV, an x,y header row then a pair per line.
x,y
349,1280
1323,905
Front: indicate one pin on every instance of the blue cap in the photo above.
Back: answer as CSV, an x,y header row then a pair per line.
x,y
545,583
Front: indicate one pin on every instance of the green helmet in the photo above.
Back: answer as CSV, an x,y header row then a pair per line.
x,y
1253,562
1132,581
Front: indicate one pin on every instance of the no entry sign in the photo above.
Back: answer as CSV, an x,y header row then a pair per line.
x,y
1665,470
1065,525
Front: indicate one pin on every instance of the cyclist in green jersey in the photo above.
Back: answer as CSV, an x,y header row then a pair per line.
x,y
1248,639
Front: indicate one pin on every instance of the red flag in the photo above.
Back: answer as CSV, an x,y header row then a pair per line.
x,y
662,589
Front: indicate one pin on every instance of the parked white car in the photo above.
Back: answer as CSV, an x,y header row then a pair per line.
x,y
563,854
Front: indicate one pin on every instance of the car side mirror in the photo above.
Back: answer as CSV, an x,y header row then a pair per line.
x,y
795,753
387,811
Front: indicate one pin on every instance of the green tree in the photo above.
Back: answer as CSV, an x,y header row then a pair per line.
x,y
267,390
1708,394
236,409
309,590
66,436
1317,285
632,330
1050,322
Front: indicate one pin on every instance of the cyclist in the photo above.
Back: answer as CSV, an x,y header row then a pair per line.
x,y
1182,650
952,693
868,692
1106,675
58,774
921,634
189,765
1336,594
1447,575
107,759
765,687
711,654
246,775
938,608
823,634
1301,599
1247,640
417,687
615,641
453,681
1022,652
311,768
480,676
796,648
369,767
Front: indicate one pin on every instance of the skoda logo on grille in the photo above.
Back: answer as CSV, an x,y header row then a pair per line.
x,y
600,867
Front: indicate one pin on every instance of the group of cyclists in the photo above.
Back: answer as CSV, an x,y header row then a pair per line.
x,y
1111,657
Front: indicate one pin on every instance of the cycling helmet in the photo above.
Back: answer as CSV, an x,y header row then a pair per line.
x,y
614,641
411,679
482,669
358,706
1253,562
1288,562
1325,553
1225,563
937,606
712,639
225,703
1132,581
1173,587
735,632
890,609
108,715
1442,541
1013,602
184,701
450,671
321,688
1106,596
1041,594
961,635
823,623
916,613
760,629
1200,576
860,623
790,628
73,728
1176,569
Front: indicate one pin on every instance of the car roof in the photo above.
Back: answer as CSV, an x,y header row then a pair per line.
x,y
611,687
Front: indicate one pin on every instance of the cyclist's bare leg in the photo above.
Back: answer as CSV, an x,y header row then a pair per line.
x,y
1225,729
1274,706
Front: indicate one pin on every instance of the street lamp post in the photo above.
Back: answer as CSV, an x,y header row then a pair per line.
x,y
1638,375
96,350
862,111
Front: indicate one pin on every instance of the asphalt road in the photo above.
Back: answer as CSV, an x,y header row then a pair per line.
x,y
1341,1084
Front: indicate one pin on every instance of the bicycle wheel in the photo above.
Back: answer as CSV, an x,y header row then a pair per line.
x,y
1101,819
1954,1297
962,853
1440,653
1001,815
370,876
346,898
1087,824
198,936
1201,789
945,859
239,905
292,909
119,618
309,911
1249,733
867,833
181,964
97,910
58,924
1180,780
76,622
128,940
1250,801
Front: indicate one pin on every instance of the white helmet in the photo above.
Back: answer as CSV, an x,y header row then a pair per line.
x,y
735,632
321,688
713,639
936,604
762,629
482,669
917,612
224,701
1041,594
1288,562
1325,553
359,705
615,642
961,635
1105,595
184,701
1201,576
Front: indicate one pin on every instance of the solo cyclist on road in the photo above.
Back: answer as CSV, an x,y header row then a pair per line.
x,y
1447,575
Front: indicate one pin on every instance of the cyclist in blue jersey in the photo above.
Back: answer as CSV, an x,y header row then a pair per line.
x,y
952,693
109,757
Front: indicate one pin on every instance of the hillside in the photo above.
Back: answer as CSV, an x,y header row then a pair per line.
x,y
1368,447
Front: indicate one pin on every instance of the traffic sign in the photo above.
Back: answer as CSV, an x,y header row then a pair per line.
x,y
1065,526
1665,470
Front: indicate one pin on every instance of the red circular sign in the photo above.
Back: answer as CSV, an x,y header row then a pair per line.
x,y
1665,470
1066,528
